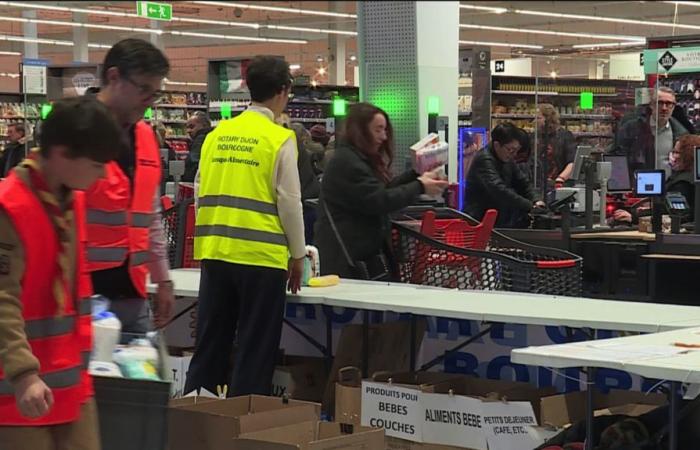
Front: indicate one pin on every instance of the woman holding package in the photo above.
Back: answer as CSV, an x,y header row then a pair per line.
x,y
357,195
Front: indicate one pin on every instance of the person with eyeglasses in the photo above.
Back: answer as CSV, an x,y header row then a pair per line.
x,y
126,240
648,138
249,236
496,182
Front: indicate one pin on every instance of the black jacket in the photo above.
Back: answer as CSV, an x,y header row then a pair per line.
x,y
359,203
310,187
493,184
683,182
192,161
11,156
563,144
635,140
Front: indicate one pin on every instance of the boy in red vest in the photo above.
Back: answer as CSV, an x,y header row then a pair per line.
x,y
45,329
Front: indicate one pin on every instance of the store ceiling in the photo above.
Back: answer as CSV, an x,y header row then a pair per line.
x,y
188,52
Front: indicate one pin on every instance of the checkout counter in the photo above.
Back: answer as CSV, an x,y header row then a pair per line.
x,y
619,260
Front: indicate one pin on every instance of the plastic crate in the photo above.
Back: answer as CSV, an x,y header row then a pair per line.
x,y
132,413
504,263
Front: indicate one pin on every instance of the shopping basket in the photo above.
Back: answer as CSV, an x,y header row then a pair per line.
x,y
501,264
178,222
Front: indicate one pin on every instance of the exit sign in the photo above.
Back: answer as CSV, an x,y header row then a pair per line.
x,y
155,11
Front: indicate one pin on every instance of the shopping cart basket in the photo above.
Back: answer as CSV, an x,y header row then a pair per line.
x,y
501,264
178,222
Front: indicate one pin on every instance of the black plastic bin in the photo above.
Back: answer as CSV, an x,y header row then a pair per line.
x,y
133,413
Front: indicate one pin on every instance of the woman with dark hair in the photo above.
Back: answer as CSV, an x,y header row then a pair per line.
x,y
358,192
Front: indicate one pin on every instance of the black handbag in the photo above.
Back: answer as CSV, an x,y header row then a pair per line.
x,y
376,268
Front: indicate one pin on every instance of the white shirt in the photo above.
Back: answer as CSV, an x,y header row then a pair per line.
x,y
287,189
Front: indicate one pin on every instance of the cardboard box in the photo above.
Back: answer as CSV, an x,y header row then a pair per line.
x,y
389,350
301,378
441,410
564,409
211,425
400,444
313,436
348,391
176,368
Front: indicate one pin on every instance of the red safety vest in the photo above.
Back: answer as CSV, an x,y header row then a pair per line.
x,y
119,215
60,343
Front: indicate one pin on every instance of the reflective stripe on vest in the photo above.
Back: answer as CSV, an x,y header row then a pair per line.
x,y
138,258
241,233
111,218
84,306
43,328
141,220
238,222
55,380
106,254
229,201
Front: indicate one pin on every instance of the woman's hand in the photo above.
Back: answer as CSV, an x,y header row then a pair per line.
x,y
432,186
620,215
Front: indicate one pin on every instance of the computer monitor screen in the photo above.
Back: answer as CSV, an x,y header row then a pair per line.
x,y
649,183
582,152
620,177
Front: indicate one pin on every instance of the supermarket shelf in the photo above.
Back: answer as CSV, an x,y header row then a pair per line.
x,y
177,137
311,101
587,116
512,116
547,93
523,92
172,120
563,116
236,108
171,105
592,134
308,119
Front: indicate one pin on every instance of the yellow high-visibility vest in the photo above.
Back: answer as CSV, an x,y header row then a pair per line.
x,y
237,219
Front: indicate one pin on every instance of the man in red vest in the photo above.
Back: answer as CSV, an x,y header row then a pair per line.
x,y
126,241
45,323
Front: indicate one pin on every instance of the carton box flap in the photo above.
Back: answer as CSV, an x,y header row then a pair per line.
x,y
260,403
563,409
313,436
277,418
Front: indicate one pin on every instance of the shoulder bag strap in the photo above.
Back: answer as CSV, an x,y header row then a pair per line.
x,y
337,234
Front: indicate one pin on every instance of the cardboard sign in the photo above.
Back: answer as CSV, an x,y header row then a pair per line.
x,y
396,409
453,420
506,426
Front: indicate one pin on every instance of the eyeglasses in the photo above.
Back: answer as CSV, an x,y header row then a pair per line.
x,y
146,91
667,104
511,149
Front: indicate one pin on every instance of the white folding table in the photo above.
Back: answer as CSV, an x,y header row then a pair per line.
x,y
669,356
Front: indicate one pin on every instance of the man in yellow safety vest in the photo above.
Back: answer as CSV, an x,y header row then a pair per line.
x,y
249,236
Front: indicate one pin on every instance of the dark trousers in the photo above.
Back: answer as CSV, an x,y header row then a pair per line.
x,y
243,302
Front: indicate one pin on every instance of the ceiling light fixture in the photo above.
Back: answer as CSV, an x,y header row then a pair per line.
x,y
309,12
552,33
605,19
311,30
6,53
492,9
80,25
321,70
294,66
183,83
237,38
685,3
610,44
7,37
501,44
104,12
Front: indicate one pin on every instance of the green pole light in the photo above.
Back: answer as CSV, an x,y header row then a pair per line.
x,y
433,105
45,110
340,107
225,110
148,114
586,101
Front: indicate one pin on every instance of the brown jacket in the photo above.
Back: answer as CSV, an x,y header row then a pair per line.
x,y
16,357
